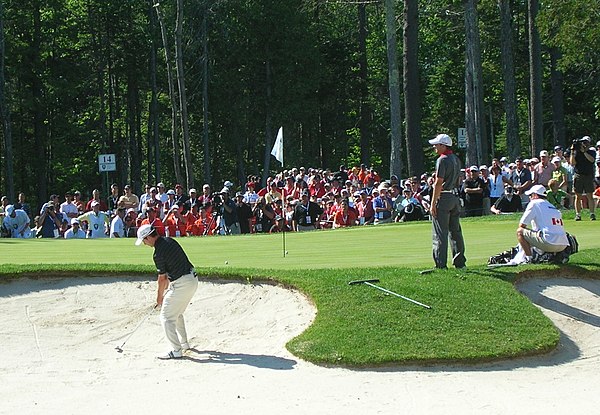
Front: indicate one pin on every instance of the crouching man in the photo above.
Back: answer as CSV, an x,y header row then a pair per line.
x,y
547,232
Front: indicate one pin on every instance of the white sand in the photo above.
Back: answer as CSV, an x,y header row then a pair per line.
x,y
58,356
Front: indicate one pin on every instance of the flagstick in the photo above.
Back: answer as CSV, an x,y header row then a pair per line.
x,y
284,251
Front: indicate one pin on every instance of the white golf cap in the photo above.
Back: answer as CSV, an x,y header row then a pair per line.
x,y
142,233
537,189
10,209
74,221
228,184
556,159
441,139
544,153
474,168
192,190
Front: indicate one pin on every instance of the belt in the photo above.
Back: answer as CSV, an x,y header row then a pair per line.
x,y
192,272
453,191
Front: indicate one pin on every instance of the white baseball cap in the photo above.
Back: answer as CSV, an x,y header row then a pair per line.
x,y
142,233
441,139
537,189
555,159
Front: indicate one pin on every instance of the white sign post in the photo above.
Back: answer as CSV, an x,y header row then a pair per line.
x,y
107,162
462,138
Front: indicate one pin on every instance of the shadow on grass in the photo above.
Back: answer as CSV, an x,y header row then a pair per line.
x,y
259,361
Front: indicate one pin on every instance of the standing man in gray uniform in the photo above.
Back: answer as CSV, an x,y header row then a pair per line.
x,y
445,205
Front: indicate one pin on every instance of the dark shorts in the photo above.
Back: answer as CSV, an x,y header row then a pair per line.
x,y
583,184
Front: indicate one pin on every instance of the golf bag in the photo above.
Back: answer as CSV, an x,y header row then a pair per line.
x,y
561,257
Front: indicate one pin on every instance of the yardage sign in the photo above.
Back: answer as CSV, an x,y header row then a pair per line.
x,y
107,162
462,138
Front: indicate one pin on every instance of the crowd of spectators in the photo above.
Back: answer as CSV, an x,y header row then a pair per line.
x,y
302,199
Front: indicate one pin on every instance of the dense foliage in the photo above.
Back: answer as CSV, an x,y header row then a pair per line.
x,y
80,82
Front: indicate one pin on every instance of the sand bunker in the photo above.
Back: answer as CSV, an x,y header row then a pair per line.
x,y
59,357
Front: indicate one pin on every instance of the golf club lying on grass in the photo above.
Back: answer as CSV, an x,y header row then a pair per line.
x,y
370,283
120,348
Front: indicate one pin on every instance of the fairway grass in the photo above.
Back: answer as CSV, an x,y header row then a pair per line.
x,y
476,315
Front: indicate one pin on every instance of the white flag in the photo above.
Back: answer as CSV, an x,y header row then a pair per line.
x,y
278,147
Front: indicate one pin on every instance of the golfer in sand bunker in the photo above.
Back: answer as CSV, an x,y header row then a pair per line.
x,y
177,284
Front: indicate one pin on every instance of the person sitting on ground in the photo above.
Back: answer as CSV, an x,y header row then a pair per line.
x,y
345,216
555,194
16,222
411,210
75,231
98,221
547,232
509,202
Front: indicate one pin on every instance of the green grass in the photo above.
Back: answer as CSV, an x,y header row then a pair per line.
x,y
476,316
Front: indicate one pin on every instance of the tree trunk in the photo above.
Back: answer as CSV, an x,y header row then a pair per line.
x,y
153,151
412,101
558,100
173,98
364,107
535,81
396,166
39,130
187,155
5,114
513,142
474,111
268,123
205,126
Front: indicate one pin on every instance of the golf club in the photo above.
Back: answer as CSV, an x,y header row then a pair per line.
x,y
370,283
120,348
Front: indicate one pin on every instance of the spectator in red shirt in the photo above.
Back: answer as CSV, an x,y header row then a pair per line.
x,y
345,216
154,220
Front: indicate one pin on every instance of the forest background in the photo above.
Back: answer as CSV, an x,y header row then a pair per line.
x,y
194,92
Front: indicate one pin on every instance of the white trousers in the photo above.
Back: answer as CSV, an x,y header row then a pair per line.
x,y
175,301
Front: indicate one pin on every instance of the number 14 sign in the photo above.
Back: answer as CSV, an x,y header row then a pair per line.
x,y
107,162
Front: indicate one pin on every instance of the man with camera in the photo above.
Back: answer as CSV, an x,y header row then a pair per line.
x,y
50,220
228,212
582,159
